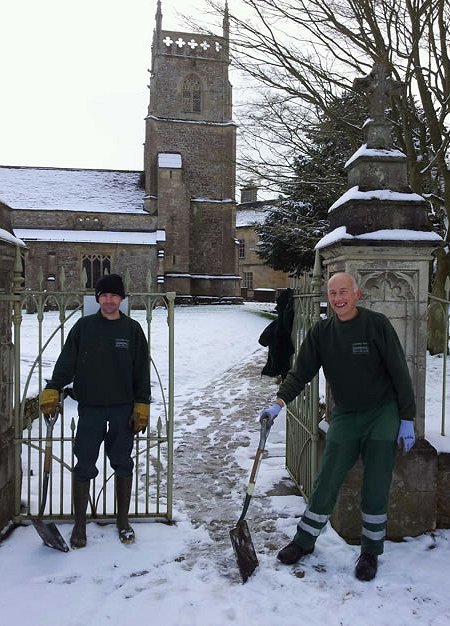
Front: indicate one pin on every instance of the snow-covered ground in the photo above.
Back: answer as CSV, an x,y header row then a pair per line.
x,y
186,574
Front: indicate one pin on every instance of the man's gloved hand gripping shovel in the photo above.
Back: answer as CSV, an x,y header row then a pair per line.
x,y
48,532
240,535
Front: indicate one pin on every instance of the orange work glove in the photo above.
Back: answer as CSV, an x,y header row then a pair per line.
x,y
48,401
139,418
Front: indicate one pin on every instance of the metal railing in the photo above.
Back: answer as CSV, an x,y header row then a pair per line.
x,y
38,339
303,414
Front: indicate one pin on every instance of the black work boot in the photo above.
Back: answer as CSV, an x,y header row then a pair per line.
x,y
123,494
80,494
366,566
292,553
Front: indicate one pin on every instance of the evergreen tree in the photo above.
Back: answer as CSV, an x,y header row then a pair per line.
x,y
296,224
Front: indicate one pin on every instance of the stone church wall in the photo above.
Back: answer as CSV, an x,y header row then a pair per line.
x,y
80,220
212,232
203,148
136,259
168,84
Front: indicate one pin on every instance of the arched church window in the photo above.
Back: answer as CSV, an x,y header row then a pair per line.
x,y
93,267
192,96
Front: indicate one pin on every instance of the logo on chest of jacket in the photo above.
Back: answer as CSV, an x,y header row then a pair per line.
x,y
122,343
360,347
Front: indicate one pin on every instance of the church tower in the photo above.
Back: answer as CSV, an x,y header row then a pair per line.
x,y
190,162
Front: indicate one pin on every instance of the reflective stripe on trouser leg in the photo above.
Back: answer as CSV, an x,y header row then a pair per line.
x,y
338,459
373,530
312,523
378,459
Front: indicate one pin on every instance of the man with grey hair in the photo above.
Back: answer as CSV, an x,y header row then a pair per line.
x,y
374,407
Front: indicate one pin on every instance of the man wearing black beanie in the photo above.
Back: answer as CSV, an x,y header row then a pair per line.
x,y
110,283
106,357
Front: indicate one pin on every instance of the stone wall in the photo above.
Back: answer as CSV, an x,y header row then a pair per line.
x,y
7,469
80,220
212,248
174,215
264,277
190,114
208,65
443,491
207,151
136,259
51,256
412,502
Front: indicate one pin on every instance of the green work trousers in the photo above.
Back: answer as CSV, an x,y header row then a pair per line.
x,y
371,435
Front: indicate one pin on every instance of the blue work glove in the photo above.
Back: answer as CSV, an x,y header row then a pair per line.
x,y
406,437
269,414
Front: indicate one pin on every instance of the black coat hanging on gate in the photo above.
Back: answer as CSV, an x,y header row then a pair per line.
x,y
277,337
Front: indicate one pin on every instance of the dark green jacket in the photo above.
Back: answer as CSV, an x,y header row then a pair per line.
x,y
107,361
363,362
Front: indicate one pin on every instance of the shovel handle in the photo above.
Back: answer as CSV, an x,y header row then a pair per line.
x,y
264,433
50,421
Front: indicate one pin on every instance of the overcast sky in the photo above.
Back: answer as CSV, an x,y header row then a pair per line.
x,y
74,79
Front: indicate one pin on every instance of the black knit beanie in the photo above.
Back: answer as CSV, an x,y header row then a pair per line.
x,y
110,283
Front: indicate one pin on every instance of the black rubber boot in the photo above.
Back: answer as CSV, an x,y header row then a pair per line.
x,y
292,553
123,494
80,494
366,566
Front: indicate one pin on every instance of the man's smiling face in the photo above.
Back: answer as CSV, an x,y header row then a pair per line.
x,y
109,305
343,294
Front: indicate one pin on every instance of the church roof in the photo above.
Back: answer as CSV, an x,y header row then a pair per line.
x,y
250,217
90,236
96,191
252,213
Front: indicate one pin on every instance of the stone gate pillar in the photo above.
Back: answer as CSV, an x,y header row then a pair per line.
x,y
380,234
8,248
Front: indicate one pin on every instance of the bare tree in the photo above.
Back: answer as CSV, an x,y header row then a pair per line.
x,y
304,54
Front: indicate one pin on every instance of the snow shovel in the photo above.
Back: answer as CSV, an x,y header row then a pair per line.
x,y
240,535
48,532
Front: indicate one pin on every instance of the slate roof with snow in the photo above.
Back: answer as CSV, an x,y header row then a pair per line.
x,y
91,236
93,191
251,216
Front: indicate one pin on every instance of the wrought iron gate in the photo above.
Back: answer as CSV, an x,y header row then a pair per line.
x,y
303,415
41,321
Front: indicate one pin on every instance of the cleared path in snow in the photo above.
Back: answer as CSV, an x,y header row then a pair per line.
x,y
214,450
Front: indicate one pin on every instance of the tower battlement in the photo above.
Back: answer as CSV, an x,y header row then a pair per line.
x,y
192,45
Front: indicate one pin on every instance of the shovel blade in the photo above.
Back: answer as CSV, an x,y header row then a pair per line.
x,y
50,535
244,550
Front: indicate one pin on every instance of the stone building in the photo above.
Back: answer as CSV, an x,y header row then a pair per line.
x,y
85,221
175,221
258,280
189,160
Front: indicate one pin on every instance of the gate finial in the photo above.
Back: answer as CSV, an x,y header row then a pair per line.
x,y
18,272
